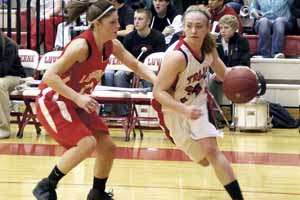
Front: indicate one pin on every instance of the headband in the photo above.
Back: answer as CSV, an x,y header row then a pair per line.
x,y
104,13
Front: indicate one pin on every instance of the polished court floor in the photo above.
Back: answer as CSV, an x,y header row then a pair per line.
x,y
266,164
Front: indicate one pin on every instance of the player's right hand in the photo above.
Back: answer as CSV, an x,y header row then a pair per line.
x,y
192,112
87,103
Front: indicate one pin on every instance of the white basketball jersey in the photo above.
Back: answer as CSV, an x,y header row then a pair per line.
x,y
191,83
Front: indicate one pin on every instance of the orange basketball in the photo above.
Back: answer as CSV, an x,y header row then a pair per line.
x,y
240,85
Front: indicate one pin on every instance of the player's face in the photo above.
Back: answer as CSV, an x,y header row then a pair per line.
x,y
226,31
110,26
160,6
196,26
141,21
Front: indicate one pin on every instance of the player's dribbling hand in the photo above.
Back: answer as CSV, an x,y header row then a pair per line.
x,y
87,103
192,112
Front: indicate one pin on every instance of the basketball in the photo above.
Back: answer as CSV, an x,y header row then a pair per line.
x,y
240,85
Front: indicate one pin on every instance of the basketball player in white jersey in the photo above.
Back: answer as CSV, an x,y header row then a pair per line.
x,y
181,90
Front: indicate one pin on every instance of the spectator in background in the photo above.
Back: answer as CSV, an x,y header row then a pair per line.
x,y
273,21
142,36
233,49
295,9
163,14
235,4
11,72
50,16
218,10
125,13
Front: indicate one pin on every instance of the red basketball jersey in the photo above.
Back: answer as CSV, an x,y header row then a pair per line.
x,y
83,77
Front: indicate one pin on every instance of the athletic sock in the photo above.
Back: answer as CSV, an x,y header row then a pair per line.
x,y
234,190
56,175
99,184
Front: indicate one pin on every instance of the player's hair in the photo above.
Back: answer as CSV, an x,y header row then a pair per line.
x,y
94,9
146,11
231,21
209,43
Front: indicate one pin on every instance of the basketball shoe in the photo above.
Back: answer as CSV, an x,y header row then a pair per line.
x,y
98,195
45,190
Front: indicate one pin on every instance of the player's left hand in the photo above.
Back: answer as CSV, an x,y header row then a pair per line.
x,y
192,112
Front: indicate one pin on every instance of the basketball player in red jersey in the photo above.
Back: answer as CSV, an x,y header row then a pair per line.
x,y
65,107
181,89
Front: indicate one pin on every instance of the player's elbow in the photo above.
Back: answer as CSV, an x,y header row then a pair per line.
x,y
155,92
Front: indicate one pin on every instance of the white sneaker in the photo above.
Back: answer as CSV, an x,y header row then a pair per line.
x,y
4,134
279,55
257,56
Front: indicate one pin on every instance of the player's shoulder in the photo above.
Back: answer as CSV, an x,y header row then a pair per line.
x,y
79,45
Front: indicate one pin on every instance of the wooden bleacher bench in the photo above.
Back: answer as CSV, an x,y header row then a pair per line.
x,y
291,46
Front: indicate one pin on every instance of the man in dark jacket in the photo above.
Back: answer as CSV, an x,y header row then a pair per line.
x,y
143,37
11,72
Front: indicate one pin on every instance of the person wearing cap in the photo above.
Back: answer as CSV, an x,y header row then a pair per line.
x,y
65,106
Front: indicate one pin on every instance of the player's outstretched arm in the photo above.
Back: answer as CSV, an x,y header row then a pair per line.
x,y
131,62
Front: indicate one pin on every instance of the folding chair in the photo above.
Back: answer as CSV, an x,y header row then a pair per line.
x,y
46,60
127,121
29,60
28,115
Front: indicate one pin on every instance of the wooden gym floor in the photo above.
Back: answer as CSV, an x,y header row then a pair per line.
x,y
267,166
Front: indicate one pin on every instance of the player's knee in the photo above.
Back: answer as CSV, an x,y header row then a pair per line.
x,y
88,144
111,148
107,147
210,153
204,162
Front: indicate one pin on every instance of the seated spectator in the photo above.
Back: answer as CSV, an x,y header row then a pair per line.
x,y
142,36
163,13
233,49
218,10
11,72
50,16
235,4
295,9
273,21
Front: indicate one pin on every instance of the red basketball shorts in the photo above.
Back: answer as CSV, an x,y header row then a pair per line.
x,y
66,124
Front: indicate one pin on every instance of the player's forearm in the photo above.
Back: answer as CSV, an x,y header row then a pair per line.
x,y
165,99
144,72
57,84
